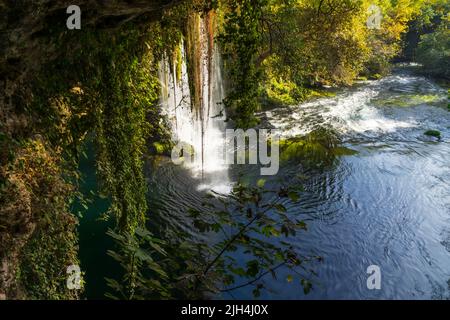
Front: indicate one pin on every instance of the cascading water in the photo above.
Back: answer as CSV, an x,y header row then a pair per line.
x,y
365,110
200,126
386,204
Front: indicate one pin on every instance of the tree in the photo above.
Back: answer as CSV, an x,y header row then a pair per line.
x,y
434,51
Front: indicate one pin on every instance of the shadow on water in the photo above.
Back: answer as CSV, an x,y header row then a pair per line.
x,y
93,241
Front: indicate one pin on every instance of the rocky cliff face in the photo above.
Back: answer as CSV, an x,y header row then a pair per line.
x,y
31,183
29,31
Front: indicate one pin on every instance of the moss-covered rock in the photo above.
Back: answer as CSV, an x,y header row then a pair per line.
x,y
320,147
411,100
433,133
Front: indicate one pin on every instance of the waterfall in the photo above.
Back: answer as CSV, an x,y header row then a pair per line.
x,y
201,126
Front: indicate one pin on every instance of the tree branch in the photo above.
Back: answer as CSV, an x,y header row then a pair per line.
x,y
255,279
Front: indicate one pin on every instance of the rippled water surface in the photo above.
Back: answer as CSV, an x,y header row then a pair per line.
x,y
386,205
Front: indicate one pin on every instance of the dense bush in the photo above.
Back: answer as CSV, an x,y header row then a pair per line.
x,y
434,52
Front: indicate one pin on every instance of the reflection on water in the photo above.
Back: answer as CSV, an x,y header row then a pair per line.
x,y
388,204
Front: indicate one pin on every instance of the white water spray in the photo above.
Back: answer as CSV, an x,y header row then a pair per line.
x,y
202,127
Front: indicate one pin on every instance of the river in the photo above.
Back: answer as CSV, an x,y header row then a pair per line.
x,y
385,204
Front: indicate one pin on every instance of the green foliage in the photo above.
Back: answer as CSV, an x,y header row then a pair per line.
x,y
448,98
110,88
120,85
334,41
277,50
105,85
38,216
46,256
162,149
129,90
136,255
430,15
241,39
280,92
434,51
252,220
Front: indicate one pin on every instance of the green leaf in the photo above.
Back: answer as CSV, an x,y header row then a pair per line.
x,y
194,213
157,248
261,183
302,225
307,286
293,196
252,268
